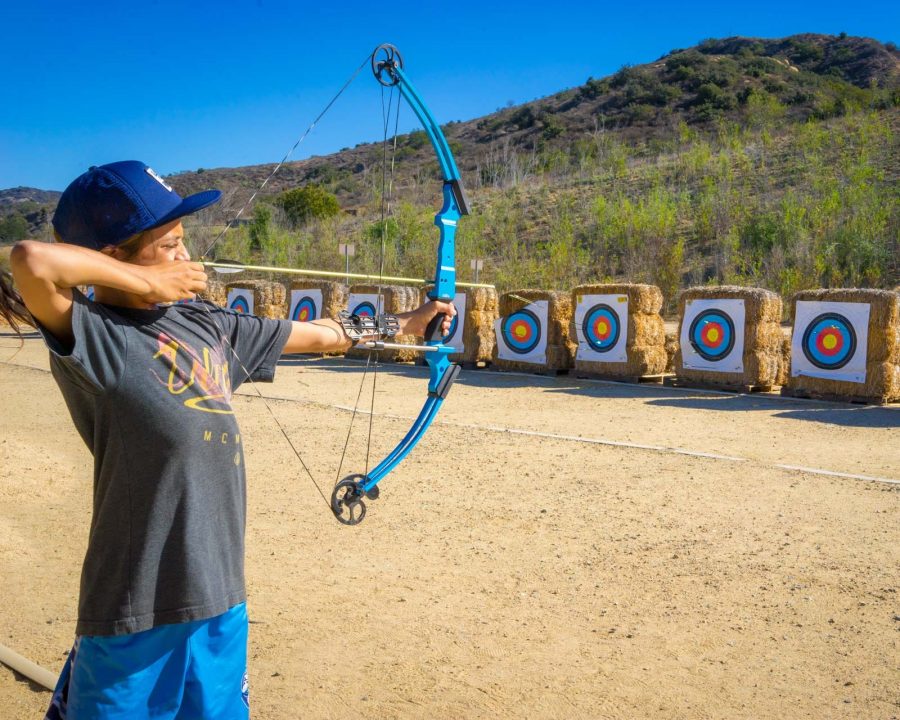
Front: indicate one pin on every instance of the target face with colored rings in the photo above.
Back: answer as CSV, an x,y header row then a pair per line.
x,y
601,328
521,331
304,310
240,304
364,309
829,341
712,334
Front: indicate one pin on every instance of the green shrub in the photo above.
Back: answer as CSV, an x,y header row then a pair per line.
x,y
307,203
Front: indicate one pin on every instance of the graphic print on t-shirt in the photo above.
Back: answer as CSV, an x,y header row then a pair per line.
x,y
202,378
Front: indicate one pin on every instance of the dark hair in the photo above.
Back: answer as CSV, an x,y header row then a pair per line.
x,y
12,307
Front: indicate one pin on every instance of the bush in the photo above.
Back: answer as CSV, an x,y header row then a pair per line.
x,y
13,228
308,203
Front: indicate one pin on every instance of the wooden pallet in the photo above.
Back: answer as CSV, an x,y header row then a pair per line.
x,y
743,388
658,379
544,372
804,394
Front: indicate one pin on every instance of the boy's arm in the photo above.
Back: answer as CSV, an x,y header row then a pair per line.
x,y
327,335
45,274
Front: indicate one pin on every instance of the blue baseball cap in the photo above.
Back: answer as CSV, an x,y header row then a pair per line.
x,y
110,203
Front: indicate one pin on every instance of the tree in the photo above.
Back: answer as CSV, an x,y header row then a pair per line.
x,y
308,203
13,228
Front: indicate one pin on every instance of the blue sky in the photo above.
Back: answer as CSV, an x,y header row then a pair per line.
x,y
191,84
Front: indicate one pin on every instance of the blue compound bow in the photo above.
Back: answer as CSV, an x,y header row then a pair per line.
x,y
347,499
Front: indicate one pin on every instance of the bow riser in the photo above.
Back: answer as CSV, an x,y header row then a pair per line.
x,y
445,272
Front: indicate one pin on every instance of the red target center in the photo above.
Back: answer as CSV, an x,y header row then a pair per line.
x,y
602,329
712,334
830,342
521,331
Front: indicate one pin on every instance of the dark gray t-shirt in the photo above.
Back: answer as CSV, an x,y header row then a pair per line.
x,y
150,393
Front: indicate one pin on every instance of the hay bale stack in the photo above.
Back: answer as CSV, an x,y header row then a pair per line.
x,y
763,356
882,383
560,349
216,292
786,356
479,314
334,295
672,348
268,297
645,342
397,299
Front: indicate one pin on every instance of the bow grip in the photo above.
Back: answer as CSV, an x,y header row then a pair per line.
x,y
433,330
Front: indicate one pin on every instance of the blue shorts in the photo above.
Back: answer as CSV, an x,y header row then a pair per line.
x,y
183,671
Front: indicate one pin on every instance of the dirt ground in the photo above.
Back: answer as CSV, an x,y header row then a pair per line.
x,y
554,548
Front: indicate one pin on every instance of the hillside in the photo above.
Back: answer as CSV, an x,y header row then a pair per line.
x,y
771,162
742,80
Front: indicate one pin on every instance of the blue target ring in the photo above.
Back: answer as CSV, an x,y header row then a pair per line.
x,y
521,331
601,328
304,310
240,305
364,309
712,334
829,341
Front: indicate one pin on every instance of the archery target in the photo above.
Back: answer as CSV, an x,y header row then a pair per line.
x,y
306,305
712,335
457,325
365,304
521,335
240,301
830,340
601,326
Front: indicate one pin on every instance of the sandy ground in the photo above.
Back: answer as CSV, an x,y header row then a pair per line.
x,y
554,548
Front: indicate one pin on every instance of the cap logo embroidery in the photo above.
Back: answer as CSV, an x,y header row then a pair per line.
x,y
152,173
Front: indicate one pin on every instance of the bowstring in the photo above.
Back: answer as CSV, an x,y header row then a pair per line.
x,y
223,335
387,185
387,194
287,155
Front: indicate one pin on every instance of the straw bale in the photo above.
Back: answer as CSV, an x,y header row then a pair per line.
x,y
882,350
759,304
559,311
560,348
763,357
216,292
268,297
646,332
483,299
478,335
645,299
334,294
785,358
672,347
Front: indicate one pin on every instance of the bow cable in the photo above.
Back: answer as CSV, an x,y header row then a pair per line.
x,y
206,252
